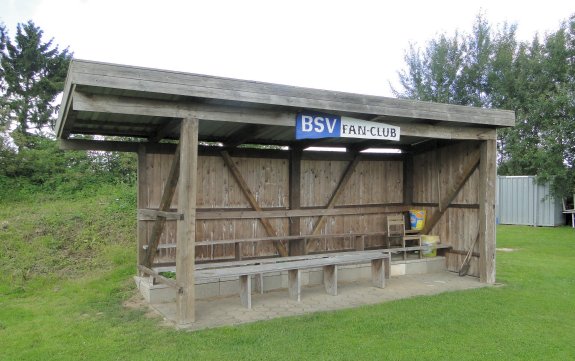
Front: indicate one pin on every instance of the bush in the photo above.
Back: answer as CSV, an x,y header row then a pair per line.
x,y
35,164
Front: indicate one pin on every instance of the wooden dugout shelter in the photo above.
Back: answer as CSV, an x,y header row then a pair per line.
x,y
195,198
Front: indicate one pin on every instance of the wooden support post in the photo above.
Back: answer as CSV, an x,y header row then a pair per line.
x,y
294,284
296,247
246,291
165,204
487,177
186,235
378,273
452,192
142,203
338,190
330,279
253,202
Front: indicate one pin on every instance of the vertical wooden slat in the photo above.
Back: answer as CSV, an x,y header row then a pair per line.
x,y
297,247
142,202
186,236
487,176
408,179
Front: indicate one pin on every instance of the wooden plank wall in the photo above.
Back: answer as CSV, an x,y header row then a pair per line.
x,y
433,171
372,183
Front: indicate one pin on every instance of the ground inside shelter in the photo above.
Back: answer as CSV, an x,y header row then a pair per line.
x,y
226,311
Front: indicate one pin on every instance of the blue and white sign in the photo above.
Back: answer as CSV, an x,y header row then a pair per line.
x,y
318,125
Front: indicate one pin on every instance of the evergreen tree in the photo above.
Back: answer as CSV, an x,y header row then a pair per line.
x,y
33,74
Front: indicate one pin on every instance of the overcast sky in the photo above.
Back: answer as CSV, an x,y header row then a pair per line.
x,y
354,46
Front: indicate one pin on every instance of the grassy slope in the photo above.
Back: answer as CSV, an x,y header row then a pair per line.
x,y
66,268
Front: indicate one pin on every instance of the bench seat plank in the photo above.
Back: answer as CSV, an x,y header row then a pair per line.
x,y
342,259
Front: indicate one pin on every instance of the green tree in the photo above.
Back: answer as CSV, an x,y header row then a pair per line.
x,y
432,75
492,69
33,74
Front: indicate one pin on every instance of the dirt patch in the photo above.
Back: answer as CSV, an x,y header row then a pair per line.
x,y
137,302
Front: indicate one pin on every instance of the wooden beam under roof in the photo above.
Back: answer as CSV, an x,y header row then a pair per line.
x,y
244,135
159,108
138,80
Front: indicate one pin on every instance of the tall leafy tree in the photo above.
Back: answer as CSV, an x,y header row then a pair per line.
x,y
492,69
33,73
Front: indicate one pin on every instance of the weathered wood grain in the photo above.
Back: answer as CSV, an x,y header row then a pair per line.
x,y
487,173
186,235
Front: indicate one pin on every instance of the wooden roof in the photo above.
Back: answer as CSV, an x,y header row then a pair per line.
x,y
120,100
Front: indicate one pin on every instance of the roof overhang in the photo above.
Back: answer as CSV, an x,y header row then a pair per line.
x,y
126,101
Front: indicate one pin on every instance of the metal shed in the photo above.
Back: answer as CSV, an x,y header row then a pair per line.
x,y
521,200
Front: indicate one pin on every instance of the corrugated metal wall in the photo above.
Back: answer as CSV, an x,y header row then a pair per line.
x,y
520,200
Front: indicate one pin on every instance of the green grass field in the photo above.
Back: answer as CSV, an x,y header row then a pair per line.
x,y
66,268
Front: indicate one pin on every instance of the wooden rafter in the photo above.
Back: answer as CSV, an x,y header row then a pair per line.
x,y
168,128
338,190
165,203
282,250
452,191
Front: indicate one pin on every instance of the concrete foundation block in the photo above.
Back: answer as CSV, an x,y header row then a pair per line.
x,y
228,288
435,265
315,277
272,282
207,290
155,293
160,293
397,269
413,268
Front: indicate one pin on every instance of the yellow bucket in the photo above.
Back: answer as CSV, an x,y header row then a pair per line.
x,y
417,219
428,243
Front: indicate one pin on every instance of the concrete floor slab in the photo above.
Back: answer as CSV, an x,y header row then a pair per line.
x,y
221,311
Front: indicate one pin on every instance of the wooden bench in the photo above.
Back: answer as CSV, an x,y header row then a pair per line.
x,y
358,240
212,272
294,265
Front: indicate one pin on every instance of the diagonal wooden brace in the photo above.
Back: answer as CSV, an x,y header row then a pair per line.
x,y
281,248
334,197
452,192
165,203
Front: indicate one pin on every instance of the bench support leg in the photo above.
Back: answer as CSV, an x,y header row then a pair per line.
x,y
378,273
246,291
330,279
294,284
387,265
259,285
